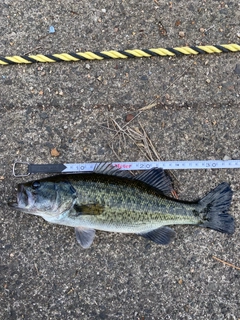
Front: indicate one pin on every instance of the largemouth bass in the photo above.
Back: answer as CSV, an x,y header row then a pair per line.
x,y
112,200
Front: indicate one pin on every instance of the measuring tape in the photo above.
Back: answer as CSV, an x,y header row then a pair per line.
x,y
146,165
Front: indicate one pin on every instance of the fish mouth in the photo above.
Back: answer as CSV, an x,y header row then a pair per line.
x,y
24,199
13,205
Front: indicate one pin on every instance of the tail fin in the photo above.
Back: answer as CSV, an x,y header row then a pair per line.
x,y
214,207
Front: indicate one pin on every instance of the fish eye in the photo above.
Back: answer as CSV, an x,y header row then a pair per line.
x,y
36,185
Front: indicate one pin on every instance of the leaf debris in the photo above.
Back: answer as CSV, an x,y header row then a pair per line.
x,y
54,152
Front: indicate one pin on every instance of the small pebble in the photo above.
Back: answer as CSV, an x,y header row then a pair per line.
x,y
167,96
87,66
181,34
129,117
177,23
202,30
144,78
237,69
208,80
44,115
225,158
51,29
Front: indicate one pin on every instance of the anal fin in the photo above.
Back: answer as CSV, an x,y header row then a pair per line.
x,y
84,236
163,235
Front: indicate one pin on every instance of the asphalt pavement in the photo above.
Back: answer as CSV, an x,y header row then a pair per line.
x,y
75,108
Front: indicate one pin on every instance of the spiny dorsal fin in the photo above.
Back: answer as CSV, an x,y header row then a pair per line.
x,y
109,169
157,178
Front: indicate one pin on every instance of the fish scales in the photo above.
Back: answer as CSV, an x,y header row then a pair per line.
x,y
113,200
128,206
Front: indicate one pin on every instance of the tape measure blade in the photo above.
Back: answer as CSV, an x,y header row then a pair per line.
x,y
79,167
166,165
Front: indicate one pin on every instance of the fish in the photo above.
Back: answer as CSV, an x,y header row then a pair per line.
x,y
114,200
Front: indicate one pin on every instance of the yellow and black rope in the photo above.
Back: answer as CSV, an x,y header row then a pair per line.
x,y
136,53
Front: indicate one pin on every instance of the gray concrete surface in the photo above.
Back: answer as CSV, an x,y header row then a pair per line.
x,y
44,273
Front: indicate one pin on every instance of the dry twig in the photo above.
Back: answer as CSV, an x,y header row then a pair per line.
x,y
153,103
226,263
140,138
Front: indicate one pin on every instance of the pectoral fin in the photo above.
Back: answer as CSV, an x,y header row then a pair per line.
x,y
163,235
84,236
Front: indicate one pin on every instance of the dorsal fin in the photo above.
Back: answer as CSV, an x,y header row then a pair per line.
x,y
109,169
156,178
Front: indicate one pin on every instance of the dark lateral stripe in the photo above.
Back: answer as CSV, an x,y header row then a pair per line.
x,y
177,53
222,48
150,52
